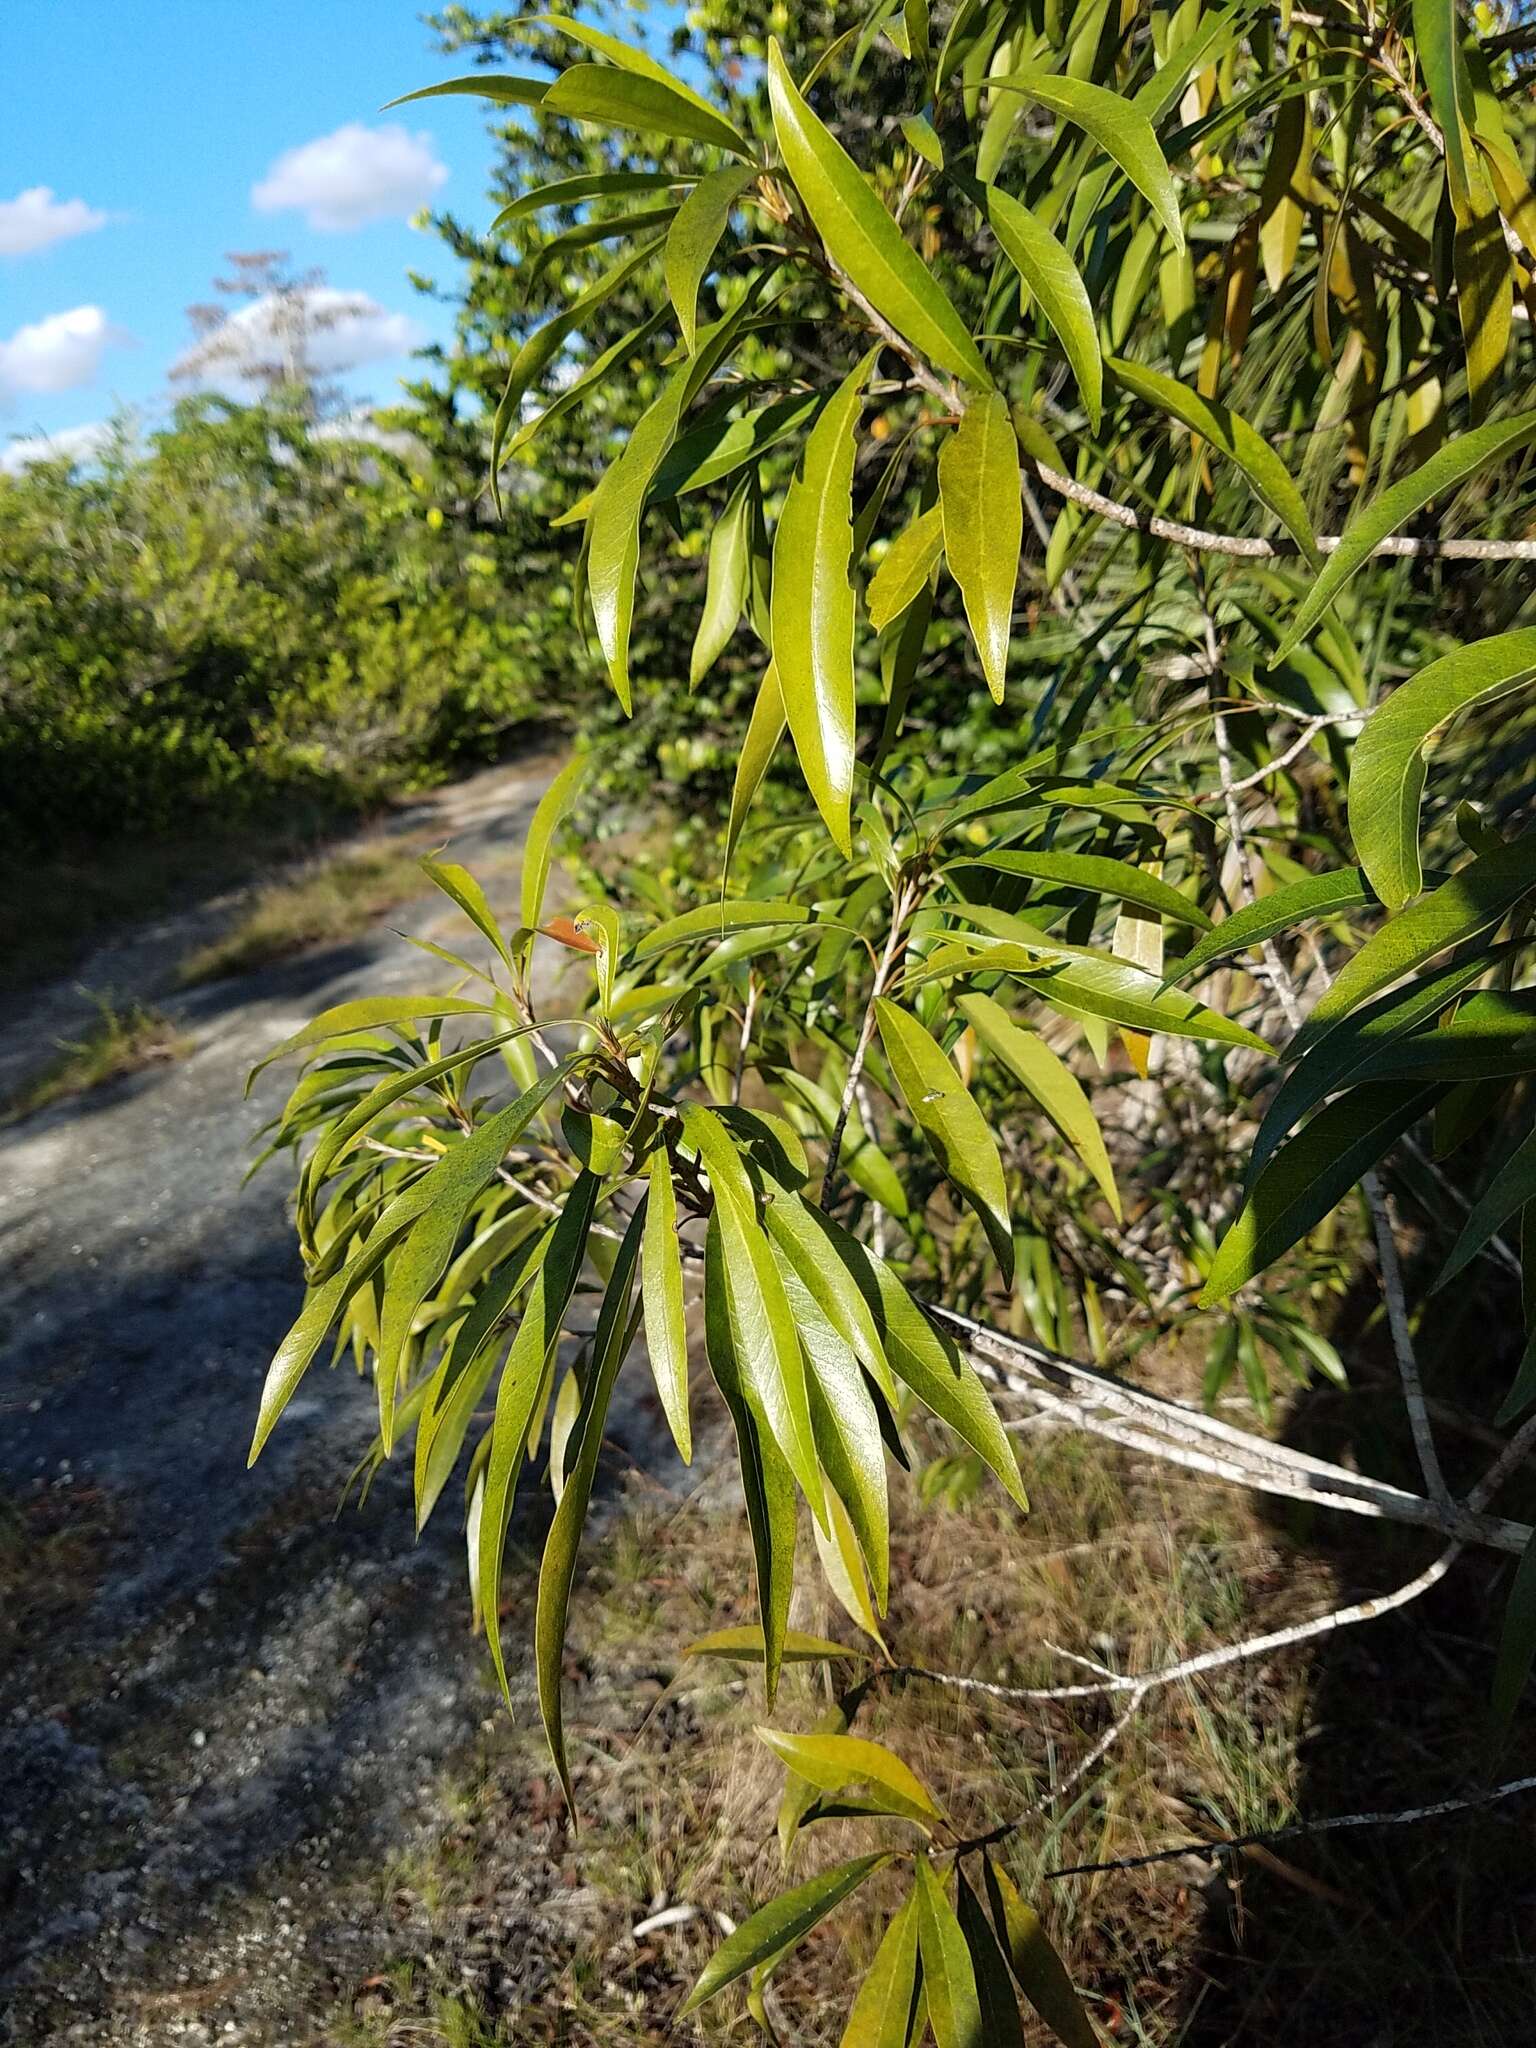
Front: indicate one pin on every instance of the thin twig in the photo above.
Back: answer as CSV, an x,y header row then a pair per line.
x,y
1468,1803
1402,1339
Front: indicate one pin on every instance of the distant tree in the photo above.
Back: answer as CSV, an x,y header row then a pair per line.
x,y
268,341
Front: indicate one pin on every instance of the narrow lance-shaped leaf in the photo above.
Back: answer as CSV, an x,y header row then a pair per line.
x,y
767,1484
538,847
503,87
1472,901
1292,904
628,56
813,606
517,1396
1055,284
1232,434
779,1925
613,530
610,1341
369,1013
694,237
955,1128
745,1646
1308,1176
979,495
1098,874
949,1981
727,582
848,1438
1505,1196
884,2004
1049,1080
1387,769
765,728
588,185
1041,1974
905,567
666,1335
717,921
1119,128
1517,1641
1001,2025
650,106
861,235
1449,466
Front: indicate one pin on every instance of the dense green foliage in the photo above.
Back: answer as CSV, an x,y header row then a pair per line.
x,y
252,608
1081,411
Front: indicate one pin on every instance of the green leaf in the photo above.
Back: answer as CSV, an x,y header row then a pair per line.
x,y
955,1128
716,921
1041,1974
580,388
808,1243
1517,1641
1001,2026
1100,876
1437,33
589,185
1049,1080
422,1258
979,496
765,728
666,1335
1508,1192
547,343
745,1646
764,1341
1352,1050
368,1013
1053,280
1472,901
695,235
919,131
538,847
813,606
779,1925
1119,128
949,1982
522,1378
610,1342
767,1484
861,236
710,453
832,1761
1231,433
907,564
1452,464
727,582
884,2005
460,887
1094,984
613,528
926,1361
648,105
1386,776
1282,910
1308,1176
847,1431
501,86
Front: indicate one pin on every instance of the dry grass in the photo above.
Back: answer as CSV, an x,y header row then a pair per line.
x,y
124,1039
328,901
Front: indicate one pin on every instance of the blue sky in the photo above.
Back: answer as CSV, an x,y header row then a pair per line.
x,y
140,137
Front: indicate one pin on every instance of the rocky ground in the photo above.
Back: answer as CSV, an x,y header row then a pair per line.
x,y
222,1711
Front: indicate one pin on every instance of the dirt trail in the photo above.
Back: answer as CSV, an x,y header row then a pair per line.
x,y
227,1685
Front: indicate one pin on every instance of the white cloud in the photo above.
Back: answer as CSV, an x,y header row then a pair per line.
x,y
59,353
353,177
318,331
76,444
34,219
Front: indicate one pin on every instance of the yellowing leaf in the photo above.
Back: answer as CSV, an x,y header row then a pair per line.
x,y
835,1761
979,495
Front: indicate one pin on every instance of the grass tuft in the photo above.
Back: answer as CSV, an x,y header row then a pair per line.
x,y
124,1039
329,901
